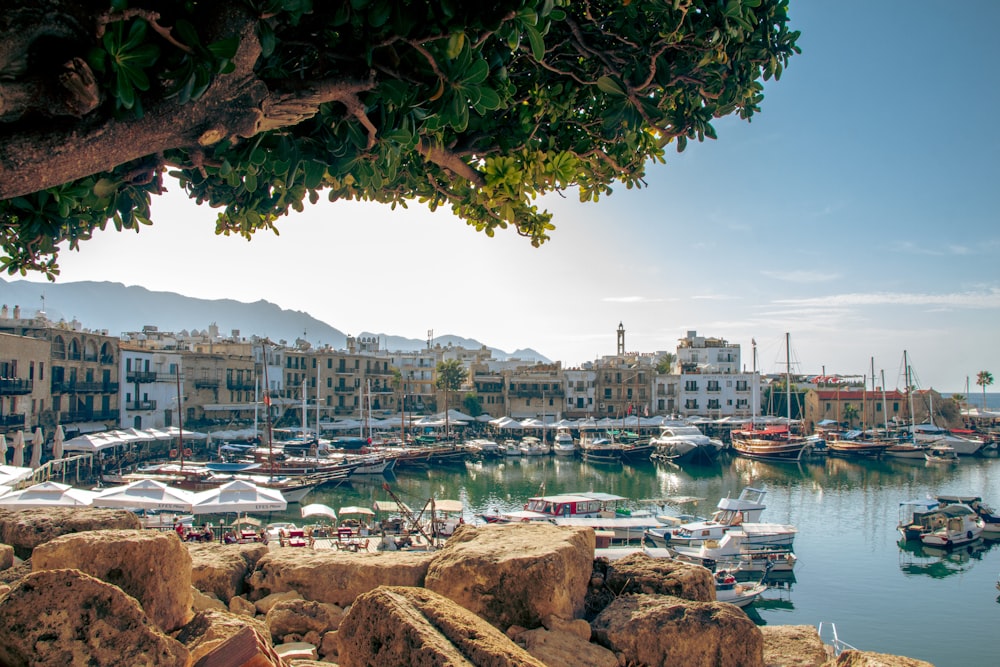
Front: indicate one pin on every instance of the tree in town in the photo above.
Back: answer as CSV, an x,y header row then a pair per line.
x,y
665,363
984,379
472,404
850,414
256,107
451,375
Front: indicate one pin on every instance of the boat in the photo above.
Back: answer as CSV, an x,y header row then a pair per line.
x,y
731,513
727,589
601,450
991,520
772,442
952,526
562,444
936,436
636,451
940,454
483,447
855,443
532,446
914,516
735,551
684,443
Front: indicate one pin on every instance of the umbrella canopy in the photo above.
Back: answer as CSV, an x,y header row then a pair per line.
x,y
47,494
319,509
238,496
17,458
147,494
37,441
354,509
57,442
14,474
444,505
3,449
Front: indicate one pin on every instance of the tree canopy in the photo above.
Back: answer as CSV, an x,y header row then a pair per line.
x,y
256,107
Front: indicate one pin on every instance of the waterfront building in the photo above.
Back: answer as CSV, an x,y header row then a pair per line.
x,y
857,408
537,392
710,383
24,390
581,392
149,385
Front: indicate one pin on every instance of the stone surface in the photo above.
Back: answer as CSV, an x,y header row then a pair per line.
x,y
666,630
515,574
25,529
152,567
565,649
793,646
394,625
264,604
296,650
66,617
216,632
6,556
334,576
853,658
239,605
302,616
203,601
221,569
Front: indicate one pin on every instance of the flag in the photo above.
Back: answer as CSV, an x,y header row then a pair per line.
x,y
629,412
267,399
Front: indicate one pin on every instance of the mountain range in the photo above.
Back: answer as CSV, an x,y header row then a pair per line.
x,y
119,308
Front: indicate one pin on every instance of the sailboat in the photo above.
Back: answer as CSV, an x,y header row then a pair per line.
x,y
775,441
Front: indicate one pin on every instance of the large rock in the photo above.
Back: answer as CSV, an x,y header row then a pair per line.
x,y
414,626
222,633
564,649
6,556
852,658
515,574
334,576
25,529
666,630
66,617
794,646
152,567
641,573
303,616
222,569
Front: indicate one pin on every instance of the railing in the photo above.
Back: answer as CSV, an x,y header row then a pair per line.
x,y
344,390
12,420
838,645
140,405
15,386
240,385
88,415
206,383
140,376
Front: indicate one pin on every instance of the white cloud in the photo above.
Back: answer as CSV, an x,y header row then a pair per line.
x,y
988,298
801,276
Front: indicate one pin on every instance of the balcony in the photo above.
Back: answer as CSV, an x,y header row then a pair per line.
x,y
537,393
87,415
240,385
206,383
140,377
12,420
344,390
140,405
15,386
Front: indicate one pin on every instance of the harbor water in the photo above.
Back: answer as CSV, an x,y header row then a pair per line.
x,y
852,571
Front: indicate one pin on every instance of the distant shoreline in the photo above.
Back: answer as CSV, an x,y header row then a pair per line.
x,y
975,398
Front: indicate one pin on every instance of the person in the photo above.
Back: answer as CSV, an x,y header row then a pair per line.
x,y
179,529
229,537
206,533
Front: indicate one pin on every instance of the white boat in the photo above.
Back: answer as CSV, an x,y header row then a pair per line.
x,y
940,454
935,436
483,447
727,589
532,446
913,517
686,443
952,526
563,444
734,550
731,512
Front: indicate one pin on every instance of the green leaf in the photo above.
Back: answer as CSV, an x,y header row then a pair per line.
x,y
536,41
610,86
455,43
489,99
477,73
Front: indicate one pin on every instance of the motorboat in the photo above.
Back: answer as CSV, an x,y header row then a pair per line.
x,y
728,589
731,512
935,436
914,516
483,447
562,444
991,520
684,443
532,446
952,526
736,551
940,454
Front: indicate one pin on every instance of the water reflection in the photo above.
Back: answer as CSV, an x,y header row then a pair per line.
x,y
918,559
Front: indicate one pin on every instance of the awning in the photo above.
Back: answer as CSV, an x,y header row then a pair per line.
x,y
85,427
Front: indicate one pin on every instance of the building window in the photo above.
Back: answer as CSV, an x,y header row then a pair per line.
x,y
691,385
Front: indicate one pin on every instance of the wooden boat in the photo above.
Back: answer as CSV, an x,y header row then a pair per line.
x,y
855,444
774,442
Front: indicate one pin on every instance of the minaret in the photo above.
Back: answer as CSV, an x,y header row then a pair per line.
x,y
621,340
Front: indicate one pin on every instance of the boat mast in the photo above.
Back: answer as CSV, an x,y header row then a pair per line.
x,y
755,389
180,418
909,390
267,408
885,408
788,381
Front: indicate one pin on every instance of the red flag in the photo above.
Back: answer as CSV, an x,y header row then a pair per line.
x,y
267,399
629,411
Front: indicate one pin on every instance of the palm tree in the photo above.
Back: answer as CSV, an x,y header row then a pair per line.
x,y
984,379
850,412
451,374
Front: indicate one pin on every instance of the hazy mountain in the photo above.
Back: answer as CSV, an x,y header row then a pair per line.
x,y
117,308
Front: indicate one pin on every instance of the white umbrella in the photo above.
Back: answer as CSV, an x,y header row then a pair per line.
x,y
353,509
3,449
37,441
47,494
17,458
57,442
13,475
147,494
238,496
319,509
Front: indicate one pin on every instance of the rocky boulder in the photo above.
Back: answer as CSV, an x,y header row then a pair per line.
x,y
414,626
334,576
222,569
794,646
852,658
564,649
25,529
666,630
6,556
66,617
300,617
515,574
240,639
152,567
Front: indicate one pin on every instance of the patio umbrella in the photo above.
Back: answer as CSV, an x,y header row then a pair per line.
x,y
238,496
47,494
3,449
319,509
57,442
37,441
17,458
12,475
354,509
146,494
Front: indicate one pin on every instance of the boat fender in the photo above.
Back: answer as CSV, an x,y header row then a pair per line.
x,y
187,451
173,453
968,534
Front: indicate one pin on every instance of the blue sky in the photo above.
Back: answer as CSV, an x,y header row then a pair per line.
x,y
856,212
